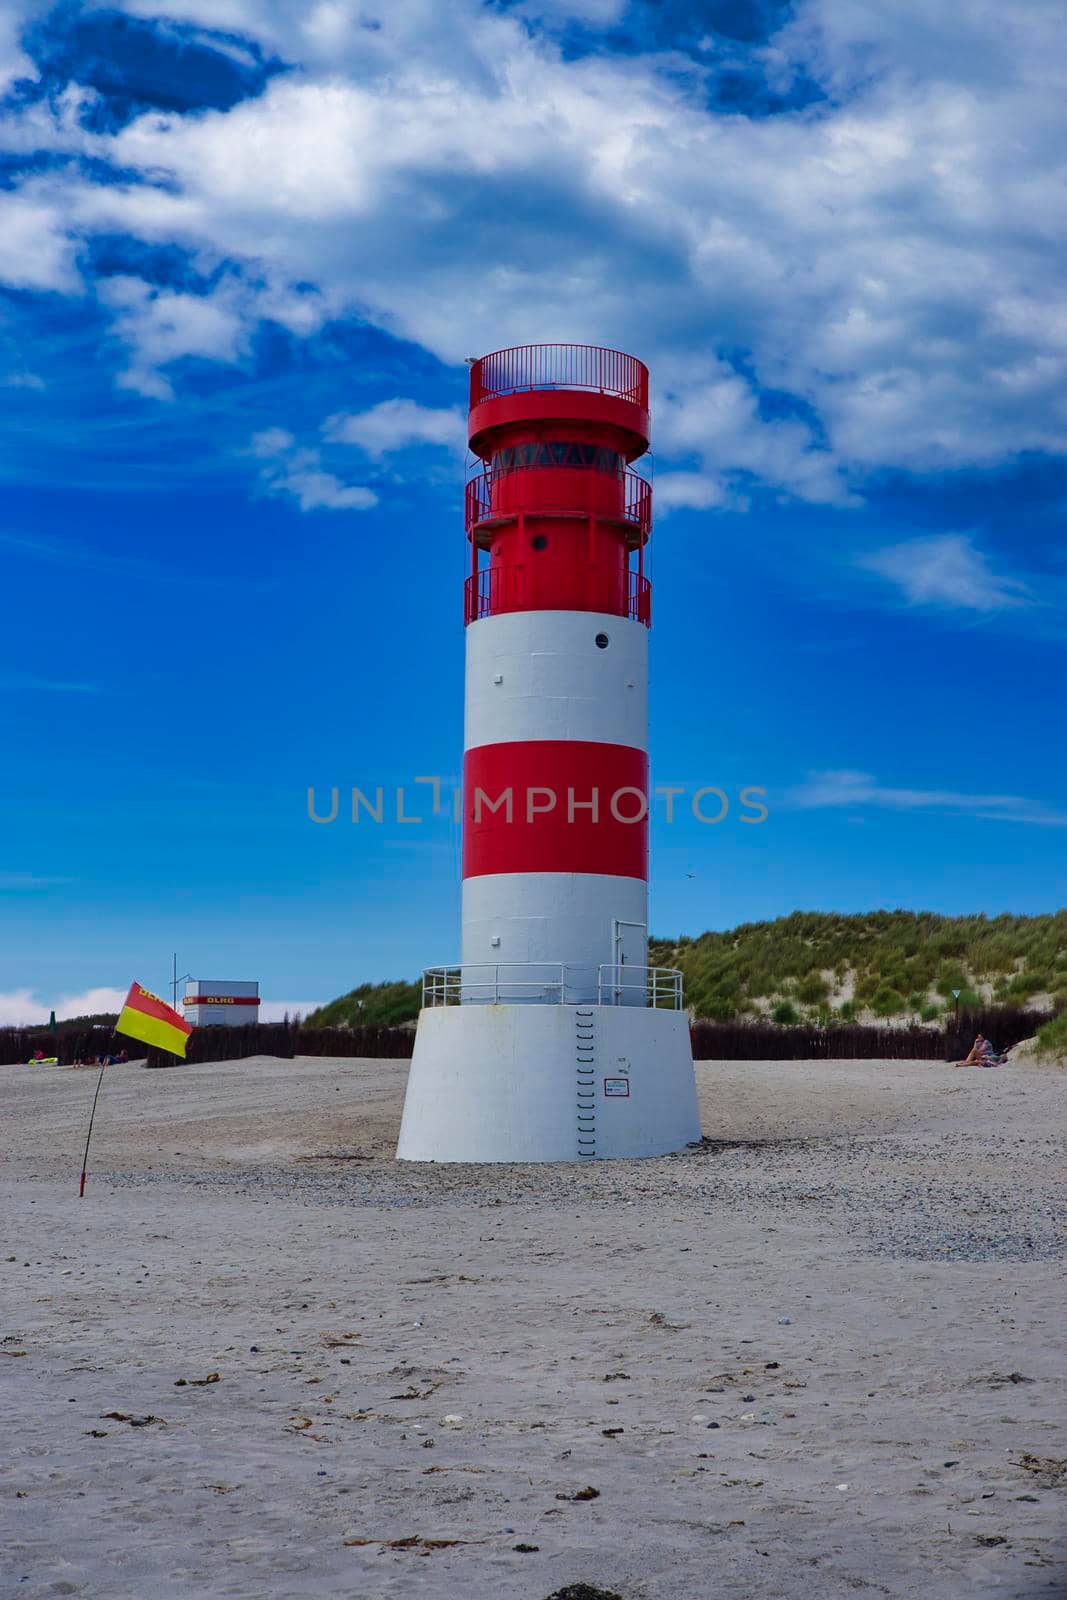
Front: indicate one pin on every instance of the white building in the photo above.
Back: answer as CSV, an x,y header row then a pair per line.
x,y
209,1002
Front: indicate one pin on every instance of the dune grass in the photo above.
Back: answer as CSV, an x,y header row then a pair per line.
x,y
1052,1038
895,964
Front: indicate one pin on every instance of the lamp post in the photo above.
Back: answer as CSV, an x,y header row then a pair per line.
x,y
175,980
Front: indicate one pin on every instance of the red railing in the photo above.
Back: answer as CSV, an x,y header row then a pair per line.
x,y
495,589
635,509
559,366
640,599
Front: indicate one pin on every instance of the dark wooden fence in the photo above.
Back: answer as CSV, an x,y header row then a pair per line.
x,y
285,1040
69,1041
767,1041
712,1041
208,1044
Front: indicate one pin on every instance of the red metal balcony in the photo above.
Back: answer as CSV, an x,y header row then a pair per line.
x,y
495,590
559,366
495,498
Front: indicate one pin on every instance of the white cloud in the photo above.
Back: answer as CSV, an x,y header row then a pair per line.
x,y
335,36
713,413
161,326
272,442
22,1007
837,789
317,490
277,1010
91,1001
290,470
395,424
846,47
22,380
946,570
19,1008
36,249
890,257
15,15
692,489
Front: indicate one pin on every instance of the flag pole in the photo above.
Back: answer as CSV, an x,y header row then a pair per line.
x,y
88,1136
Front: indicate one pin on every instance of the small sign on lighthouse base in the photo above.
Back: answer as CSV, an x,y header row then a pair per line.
x,y
548,1083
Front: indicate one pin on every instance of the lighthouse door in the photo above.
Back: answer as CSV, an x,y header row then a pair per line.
x,y
629,958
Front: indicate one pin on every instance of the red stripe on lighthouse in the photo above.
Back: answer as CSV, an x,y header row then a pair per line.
x,y
555,805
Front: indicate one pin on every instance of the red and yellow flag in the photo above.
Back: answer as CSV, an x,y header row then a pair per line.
x,y
148,1018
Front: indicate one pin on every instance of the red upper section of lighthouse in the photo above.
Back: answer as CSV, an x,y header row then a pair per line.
x,y
555,505
560,382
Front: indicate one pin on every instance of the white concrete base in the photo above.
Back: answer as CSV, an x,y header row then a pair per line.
x,y
548,1083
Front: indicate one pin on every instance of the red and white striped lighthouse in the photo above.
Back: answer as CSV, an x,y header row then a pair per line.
x,y
553,1039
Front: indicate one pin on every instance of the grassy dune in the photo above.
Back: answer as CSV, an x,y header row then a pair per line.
x,y
821,966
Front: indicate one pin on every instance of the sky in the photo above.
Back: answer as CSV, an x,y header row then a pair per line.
x,y
245,249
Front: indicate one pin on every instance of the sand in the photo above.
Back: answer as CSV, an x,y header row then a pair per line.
x,y
821,1355
1025,1054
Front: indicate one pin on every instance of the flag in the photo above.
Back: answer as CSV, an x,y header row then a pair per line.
x,y
148,1018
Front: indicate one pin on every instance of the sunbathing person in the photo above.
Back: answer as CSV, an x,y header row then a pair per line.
x,y
983,1053
975,1057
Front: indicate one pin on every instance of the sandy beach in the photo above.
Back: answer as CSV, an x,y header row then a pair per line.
x,y
820,1355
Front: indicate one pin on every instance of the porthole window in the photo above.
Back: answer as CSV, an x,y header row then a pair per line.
x,y
602,641
538,542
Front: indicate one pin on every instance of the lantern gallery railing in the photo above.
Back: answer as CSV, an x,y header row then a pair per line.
x,y
559,366
553,983
494,590
501,496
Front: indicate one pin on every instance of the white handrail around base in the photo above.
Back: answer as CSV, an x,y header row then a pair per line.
x,y
553,983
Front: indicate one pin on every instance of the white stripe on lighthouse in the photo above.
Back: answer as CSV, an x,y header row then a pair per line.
x,y
552,917
541,675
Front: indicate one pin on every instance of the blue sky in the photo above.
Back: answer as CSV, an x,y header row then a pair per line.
x,y
245,247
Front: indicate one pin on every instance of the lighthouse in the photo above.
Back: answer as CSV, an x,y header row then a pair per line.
x,y
552,1038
